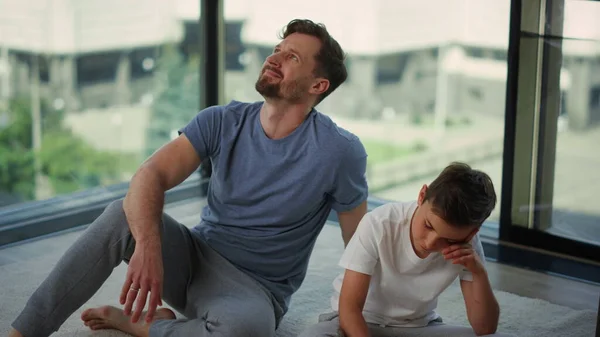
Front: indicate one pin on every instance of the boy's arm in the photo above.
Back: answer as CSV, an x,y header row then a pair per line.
x,y
482,308
359,260
483,311
352,300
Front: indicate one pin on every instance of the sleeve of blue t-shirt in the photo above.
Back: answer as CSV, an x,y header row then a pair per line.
x,y
350,188
203,131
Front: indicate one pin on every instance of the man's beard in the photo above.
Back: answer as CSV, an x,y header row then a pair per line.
x,y
266,89
291,92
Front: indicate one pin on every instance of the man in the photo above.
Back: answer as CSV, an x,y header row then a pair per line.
x,y
279,167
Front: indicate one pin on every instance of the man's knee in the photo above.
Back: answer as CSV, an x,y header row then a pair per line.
x,y
112,219
115,209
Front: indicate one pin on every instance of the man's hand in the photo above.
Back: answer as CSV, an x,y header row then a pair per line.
x,y
144,275
465,255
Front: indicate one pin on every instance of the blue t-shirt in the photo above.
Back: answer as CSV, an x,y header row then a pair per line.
x,y
269,199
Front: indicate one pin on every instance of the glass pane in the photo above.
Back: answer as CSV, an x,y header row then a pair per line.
x,y
88,89
576,210
423,90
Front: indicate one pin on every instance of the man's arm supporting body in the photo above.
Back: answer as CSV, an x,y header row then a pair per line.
x,y
350,198
351,190
349,221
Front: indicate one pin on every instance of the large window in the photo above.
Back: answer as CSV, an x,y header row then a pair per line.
x,y
558,130
85,97
88,90
576,214
417,95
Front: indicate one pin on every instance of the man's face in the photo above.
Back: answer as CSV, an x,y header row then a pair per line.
x,y
287,73
430,233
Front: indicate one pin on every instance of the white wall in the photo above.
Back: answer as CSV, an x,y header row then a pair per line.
x,y
81,26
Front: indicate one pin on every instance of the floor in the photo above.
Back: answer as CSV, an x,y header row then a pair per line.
x,y
554,289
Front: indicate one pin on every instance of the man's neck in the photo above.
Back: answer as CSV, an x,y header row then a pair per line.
x,y
279,119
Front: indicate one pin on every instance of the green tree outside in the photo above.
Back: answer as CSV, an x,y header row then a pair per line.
x,y
16,157
177,99
66,160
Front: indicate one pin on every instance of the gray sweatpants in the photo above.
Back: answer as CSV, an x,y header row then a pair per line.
x,y
217,298
329,326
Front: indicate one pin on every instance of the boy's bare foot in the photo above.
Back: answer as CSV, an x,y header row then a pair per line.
x,y
109,317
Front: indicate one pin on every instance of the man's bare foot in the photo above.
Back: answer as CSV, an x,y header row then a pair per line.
x,y
14,333
109,317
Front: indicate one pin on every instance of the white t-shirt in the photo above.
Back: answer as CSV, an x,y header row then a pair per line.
x,y
404,288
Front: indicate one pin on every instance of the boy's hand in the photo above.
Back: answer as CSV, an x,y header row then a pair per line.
x,y
465,255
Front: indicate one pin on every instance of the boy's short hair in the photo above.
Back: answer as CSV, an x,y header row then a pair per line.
x,y
462,196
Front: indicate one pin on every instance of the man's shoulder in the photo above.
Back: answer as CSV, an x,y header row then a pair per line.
x,y
326,124
339,139
232,113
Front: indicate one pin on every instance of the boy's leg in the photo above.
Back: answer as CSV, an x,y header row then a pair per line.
x,y
85,266
432,330
328,326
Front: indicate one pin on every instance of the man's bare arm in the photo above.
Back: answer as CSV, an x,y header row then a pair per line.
x,y
143,206
349,221
165,169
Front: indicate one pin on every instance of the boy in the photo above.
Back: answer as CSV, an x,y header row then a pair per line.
x,y
404,254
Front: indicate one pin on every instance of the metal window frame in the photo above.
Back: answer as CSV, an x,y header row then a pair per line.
x,y
523,230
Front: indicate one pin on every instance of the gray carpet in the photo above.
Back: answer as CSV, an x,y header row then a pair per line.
x,y
521,316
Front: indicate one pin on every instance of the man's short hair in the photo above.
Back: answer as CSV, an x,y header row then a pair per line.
x,y
330,58
462,196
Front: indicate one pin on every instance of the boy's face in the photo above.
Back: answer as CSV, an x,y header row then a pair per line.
x,y
430,233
